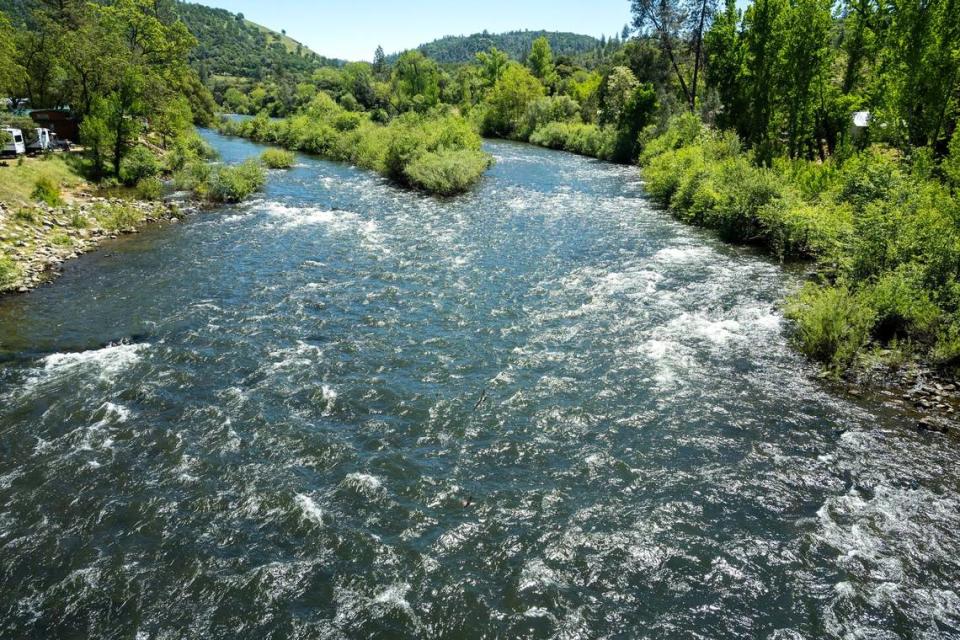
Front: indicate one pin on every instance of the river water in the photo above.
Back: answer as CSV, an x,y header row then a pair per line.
x,y
540,410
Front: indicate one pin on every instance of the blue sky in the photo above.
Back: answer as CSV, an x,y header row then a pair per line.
x,y
353,29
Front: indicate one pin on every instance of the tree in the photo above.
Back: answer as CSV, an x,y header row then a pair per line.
x,y
674,22
416,81
493,63
509,99
379,61
619,89
540,62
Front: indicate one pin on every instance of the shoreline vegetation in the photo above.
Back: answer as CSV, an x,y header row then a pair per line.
x,y
438,152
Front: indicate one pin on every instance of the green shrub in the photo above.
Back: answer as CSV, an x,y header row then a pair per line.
x,y
61,239
235,183
150,188
277,159
47,191
117,217
78,220
326,129
831,324
137,165
9,272
584,139
27,214
447,172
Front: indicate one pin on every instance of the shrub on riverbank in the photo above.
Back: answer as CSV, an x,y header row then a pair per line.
x,y
584,139
426,142
221,183
277,159
885,232
47,191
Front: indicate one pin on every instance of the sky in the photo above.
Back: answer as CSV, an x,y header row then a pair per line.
x,y
352,29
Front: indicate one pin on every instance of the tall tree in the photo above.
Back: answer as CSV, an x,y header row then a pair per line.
x,y
679,25
541,63
379,61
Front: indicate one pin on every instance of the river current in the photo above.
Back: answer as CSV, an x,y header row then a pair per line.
x,y
540,410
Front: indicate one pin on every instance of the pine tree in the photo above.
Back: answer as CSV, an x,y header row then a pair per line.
x,y
379,61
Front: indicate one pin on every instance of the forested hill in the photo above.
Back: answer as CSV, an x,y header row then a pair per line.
x,y
459,49
230,45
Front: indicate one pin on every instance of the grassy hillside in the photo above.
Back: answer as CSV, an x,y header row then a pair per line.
x,y
230,45
458,49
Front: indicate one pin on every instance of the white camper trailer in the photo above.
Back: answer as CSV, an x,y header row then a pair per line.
x,y
14,146
39,140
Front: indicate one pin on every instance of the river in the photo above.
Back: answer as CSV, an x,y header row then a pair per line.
x,y
541,410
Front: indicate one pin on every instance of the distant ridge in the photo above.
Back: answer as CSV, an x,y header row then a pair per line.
x,y
231,45
458,49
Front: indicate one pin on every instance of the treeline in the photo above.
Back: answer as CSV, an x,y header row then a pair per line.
x,y
516,44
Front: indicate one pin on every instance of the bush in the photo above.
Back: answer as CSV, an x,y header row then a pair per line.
x,y
137,165
544,111
326,129
831,324
117,217
9,272
278,159
233,184
47,191
584,139
150,189
447,172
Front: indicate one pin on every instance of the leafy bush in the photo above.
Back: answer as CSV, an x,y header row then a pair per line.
x,y
324,128
117,217
544,111
277,159
832,324
137,165
584,139
447,172
47,191
150,189
234,183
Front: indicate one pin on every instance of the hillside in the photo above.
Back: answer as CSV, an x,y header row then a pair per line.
x,y
458,49
230,45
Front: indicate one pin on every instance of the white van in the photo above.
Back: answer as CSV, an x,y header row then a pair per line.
x,y
15,146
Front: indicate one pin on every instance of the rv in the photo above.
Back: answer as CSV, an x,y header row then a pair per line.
x,y
40,140
14,146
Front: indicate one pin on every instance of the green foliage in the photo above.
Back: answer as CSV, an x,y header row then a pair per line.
x,y
149,188
278,159
584,139
446,172
515,44
138,165
832,324
508,101
232,46
885,231
47,191
235,183
429,143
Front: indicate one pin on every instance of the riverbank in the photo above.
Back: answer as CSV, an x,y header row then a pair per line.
x,y
37,240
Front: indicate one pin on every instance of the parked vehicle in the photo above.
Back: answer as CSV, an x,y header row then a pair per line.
x,y
39,140
15,145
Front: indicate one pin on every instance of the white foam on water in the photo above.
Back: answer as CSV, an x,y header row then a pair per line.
x,y
310,509
105,363
364,482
